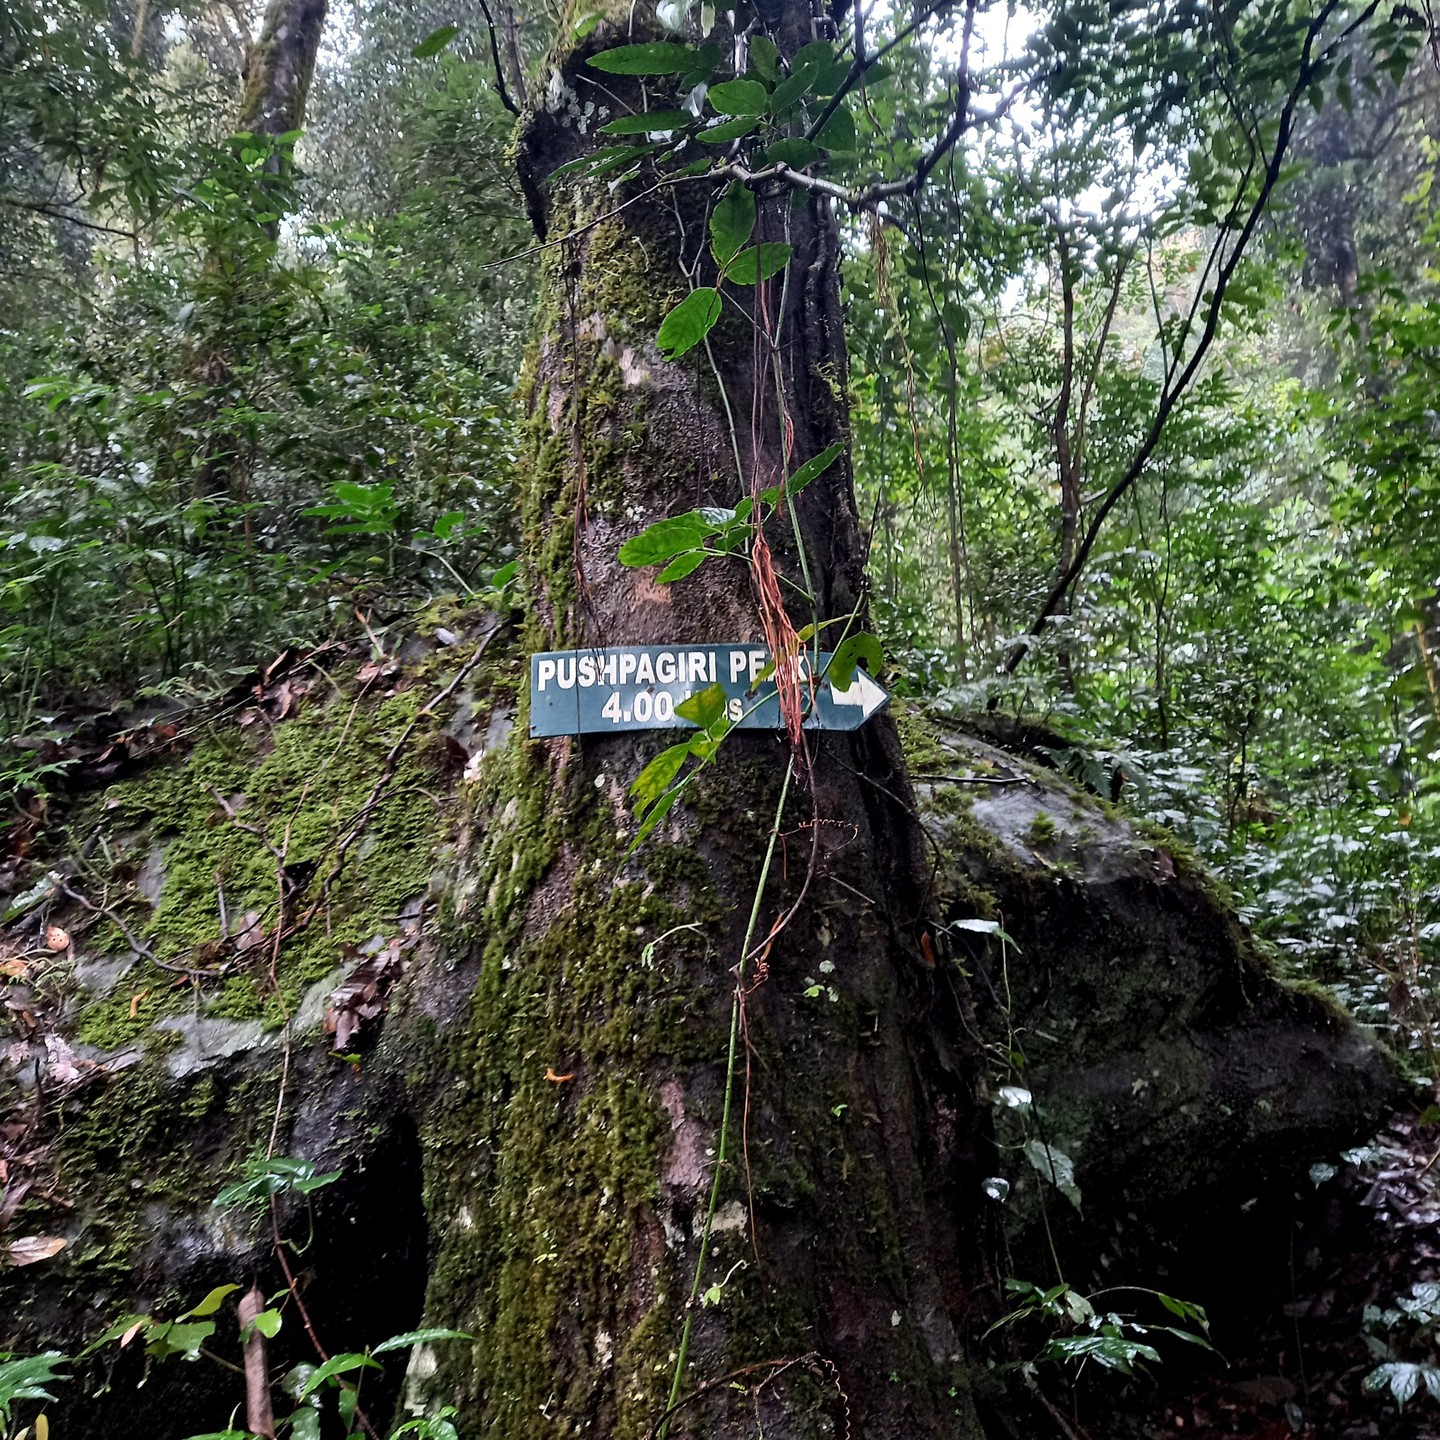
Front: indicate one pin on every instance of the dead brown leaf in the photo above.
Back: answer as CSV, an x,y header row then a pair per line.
x,y
13,968
135,1001
30,1249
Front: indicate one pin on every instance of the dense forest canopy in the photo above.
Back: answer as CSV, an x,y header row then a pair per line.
x,y
1137,386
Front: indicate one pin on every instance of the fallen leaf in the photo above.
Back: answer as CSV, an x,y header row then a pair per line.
x,y
555,1079
32,1248
135,1000
56,938
13,969
133,1331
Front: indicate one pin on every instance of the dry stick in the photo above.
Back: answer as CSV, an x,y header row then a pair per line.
x,y
259,1417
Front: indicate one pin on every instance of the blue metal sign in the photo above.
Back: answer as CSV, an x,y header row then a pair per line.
x,y
638,687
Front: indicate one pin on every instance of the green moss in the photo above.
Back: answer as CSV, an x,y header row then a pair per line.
x,y
552,1182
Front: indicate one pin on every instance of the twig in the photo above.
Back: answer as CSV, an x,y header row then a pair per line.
x,y
137,945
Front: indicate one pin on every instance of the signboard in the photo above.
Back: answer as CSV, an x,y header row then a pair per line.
x,y
637,687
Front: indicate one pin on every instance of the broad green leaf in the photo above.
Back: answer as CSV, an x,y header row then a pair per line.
x,y
1055,1166
661,542
731,222
435,42
848,654
797,153
334,1367
656,778
658,812
705,707
681,566
211,1303
726,131
419,1337
650,122
655,57
739,97
765,57
759,262
267,1323
839,133
689,322
178,1338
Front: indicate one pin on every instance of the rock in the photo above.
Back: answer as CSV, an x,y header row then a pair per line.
x,y
1165,1056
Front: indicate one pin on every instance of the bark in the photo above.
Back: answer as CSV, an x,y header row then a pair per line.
x,y
281,67
591,1090
278,72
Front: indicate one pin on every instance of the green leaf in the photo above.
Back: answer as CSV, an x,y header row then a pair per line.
x,y
334,1367
656,57
739,97
657,777
176,1338
27,1377
661,542
651,121
211,1303
813,468
765,57
797,153
681,566
704,708
731,222
419,1337
852,649
266,1323
838,133
435,42
726,131
610,154
758,263
1055,1166
689,322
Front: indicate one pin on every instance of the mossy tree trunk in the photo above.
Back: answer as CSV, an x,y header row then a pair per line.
x,y
572,1146
278,72
280,68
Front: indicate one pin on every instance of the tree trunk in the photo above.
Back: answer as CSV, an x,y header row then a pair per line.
x,y
280,68
278,72
584,1118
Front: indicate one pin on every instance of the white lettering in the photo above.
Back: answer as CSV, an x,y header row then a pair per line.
x,y
645,671
587,671
564,676
736,711
543,672
737,665
757,664
696,661
627,666
665,668
606,668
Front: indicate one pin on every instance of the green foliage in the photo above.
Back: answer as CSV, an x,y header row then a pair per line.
x,y
265,1177
1076,1333
24,1377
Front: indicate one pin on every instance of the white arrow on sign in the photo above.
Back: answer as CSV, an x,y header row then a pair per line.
x,y
863,691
